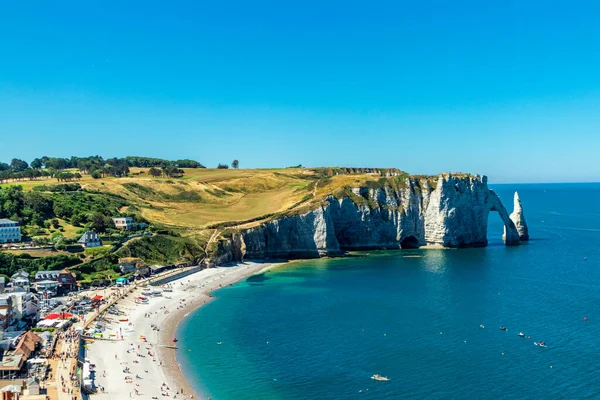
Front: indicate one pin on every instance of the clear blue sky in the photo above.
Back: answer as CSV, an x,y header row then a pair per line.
x,y
510,90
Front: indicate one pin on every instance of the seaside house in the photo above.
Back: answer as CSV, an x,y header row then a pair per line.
x,y
67,280
47,286
12,362
129,264
6,312
55,281
11,392
19,279
33,386
10,231
90,239
46,275
24,305
142,270
124,223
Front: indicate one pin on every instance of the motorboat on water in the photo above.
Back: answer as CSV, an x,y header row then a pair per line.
x,y
521,334
378,377
502,328
541,344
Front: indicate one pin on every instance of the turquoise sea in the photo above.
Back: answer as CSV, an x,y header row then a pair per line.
x,y
319,329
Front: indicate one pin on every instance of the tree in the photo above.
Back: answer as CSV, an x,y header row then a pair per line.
x,y
18,165
235,164
36,164
223,166
78,219
155,172
99,222
97,174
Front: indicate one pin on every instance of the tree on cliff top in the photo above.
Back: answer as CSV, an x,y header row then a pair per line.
x,y
235,164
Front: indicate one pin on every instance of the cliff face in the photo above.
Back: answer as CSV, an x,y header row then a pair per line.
x,y
451,213
299,236
518,217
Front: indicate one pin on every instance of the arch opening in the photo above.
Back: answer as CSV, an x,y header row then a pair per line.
x,y
409,242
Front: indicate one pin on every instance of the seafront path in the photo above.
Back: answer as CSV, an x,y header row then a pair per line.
x,y
61,387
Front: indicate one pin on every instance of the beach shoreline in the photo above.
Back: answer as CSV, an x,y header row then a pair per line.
x,y
152,361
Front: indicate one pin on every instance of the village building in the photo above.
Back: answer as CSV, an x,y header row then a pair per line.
x,y
6,312
20,279
10,231
67,280
123,223
46,275
47,286
55,281
90,239
12,362
24,305
129,264
33,386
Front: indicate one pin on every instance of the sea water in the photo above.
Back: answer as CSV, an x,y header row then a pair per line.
x,y
427,319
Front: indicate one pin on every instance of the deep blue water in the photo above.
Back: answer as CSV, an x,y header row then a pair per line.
x,y
319,329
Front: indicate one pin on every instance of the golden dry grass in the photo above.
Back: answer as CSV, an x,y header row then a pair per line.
x,y
206,196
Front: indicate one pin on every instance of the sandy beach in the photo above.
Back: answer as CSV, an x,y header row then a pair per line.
x,y
150,363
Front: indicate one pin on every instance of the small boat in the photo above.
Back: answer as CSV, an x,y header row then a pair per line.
x,y
521,334
219,342
378,377
502,328
541,344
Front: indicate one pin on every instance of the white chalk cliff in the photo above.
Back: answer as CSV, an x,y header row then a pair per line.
x,y
451,212
518,217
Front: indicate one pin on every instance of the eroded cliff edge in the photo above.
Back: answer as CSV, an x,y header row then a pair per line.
x,y
450,211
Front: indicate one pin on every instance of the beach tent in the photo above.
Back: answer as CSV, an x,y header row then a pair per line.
x,y
97,298
59,316
38,361
121,281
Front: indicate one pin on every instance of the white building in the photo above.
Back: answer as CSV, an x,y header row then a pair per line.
x,y
90,239
19,280
10,231
123,223
47,286
24,305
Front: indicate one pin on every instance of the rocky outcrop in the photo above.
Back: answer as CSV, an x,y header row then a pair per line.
x,y
450,212
518,217
300,236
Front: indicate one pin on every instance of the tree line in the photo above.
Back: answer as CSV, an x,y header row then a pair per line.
x,y
95,166
42,209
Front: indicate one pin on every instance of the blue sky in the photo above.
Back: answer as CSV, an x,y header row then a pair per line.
x,y
510,90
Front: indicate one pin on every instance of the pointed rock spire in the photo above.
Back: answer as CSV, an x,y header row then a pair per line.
x,y
518,218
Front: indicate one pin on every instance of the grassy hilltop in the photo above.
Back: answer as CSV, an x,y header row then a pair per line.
x,y
190,212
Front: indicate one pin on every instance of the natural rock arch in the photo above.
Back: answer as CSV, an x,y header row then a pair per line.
x,y
511,236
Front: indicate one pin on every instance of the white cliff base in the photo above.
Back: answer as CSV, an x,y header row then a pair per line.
x,y
450,212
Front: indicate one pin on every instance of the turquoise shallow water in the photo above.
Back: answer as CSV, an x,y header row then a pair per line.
x,y
321,328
